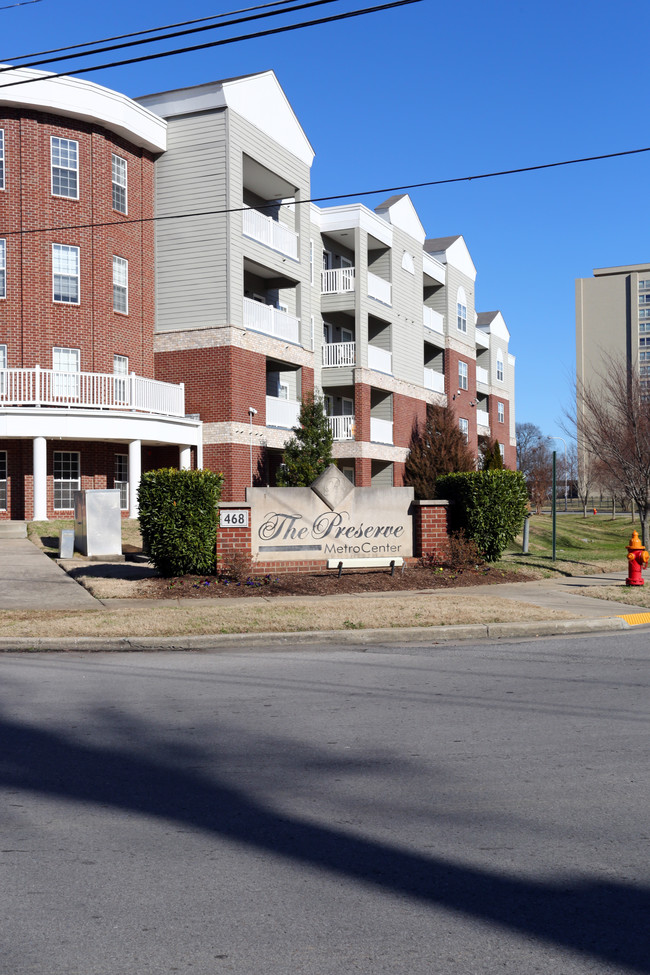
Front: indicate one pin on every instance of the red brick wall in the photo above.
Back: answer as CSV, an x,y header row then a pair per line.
x,y
460,406
501,431
31,324
430,528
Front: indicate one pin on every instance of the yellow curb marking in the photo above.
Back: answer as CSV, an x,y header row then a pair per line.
x,y
636,619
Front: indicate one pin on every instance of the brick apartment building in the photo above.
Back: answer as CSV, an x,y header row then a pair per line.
x,y
259,298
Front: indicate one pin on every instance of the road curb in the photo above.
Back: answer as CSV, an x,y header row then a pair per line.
x,y
352,638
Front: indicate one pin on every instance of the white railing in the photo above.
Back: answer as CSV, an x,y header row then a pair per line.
x,y
379,289
271,321
281,412
342,427
481,375
434,380
90,390
269,232
433,320
381,431
380,360
337,281
339,353
482,418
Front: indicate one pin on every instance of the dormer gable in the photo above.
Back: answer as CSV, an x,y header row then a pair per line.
x,y
400,212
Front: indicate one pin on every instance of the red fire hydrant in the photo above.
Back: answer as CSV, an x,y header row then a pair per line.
x,y
637,558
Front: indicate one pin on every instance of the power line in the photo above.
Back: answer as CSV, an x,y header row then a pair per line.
x,y
337,196
228,40
165,37
24,3
137,33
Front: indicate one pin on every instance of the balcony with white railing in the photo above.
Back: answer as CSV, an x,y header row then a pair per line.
x,y
434,380
90,391
339,354
281,412
380,360
379,289
269,232
433,320
342,427
381,431
482,375
482,418
337,281
271,321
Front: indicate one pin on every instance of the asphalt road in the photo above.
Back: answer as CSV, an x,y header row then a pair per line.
x,y
451,809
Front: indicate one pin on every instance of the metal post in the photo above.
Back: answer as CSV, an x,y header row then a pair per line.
x,y
524,547
554,502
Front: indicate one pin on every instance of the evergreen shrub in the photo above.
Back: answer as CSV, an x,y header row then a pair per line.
x,y
178,519
489,506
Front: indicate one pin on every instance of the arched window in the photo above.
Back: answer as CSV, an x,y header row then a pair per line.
x,y
461,310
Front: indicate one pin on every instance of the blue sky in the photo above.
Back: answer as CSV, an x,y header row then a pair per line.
x,y
435,91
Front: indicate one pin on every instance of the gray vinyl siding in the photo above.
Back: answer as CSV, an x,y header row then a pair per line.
x,y
408,297
379,334
381,405
456,279
191,254
381,473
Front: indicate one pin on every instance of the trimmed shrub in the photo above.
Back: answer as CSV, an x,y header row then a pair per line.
x,y
489,506
178,519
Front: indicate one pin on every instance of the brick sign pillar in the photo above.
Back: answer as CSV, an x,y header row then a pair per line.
x,y
430,527
233,532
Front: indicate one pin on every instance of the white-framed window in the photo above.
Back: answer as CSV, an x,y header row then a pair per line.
x,y
120,285
3,268
65,167
463,426
3,480
121,479
500,366
643,284
502,450
2,159
66,364
3,366
644,299
119,183
311,261
120,371
348,471
65,273
67,478
501,413
462,374
461,310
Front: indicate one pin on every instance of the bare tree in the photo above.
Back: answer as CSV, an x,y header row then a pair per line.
x,y
613,425
539,475
529,436
587,478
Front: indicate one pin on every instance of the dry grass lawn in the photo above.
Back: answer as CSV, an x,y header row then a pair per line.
x,y
632,595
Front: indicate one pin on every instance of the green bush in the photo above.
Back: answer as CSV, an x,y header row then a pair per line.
x,y
178,519
490,506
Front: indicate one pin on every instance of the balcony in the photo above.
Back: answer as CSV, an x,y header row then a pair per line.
x,y
339,354
342,427
337,281
379,289
482,418
269,232
482,375
380,360
433,320
381,431
271,321
434,380
90,391
281,412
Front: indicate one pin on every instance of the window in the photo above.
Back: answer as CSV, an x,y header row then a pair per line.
x,y
461,310
3,268
65,363
121,480
499,367
119,184
3,366
311,262
502,450
121,370
65,273
66,479
644,299
65,168
501,413
463,426
462,374
120,285
643,285
2,159
3,480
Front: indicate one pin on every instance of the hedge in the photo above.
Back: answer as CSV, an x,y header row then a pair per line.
x,y
489,506
178,519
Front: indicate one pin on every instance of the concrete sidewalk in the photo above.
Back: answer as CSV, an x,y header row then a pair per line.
x,y
29,579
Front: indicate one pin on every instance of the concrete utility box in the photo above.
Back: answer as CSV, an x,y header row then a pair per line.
x,y
98,523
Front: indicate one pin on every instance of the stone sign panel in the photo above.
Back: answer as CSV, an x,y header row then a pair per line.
x,y
330,519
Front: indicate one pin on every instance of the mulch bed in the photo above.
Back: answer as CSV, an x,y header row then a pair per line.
x,y
327,584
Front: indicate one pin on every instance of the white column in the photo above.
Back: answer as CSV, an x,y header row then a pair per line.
x,y
135,472
184,457
40,479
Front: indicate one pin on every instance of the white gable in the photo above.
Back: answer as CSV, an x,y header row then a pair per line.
x,y
402,214
498,327
459,257
261,101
